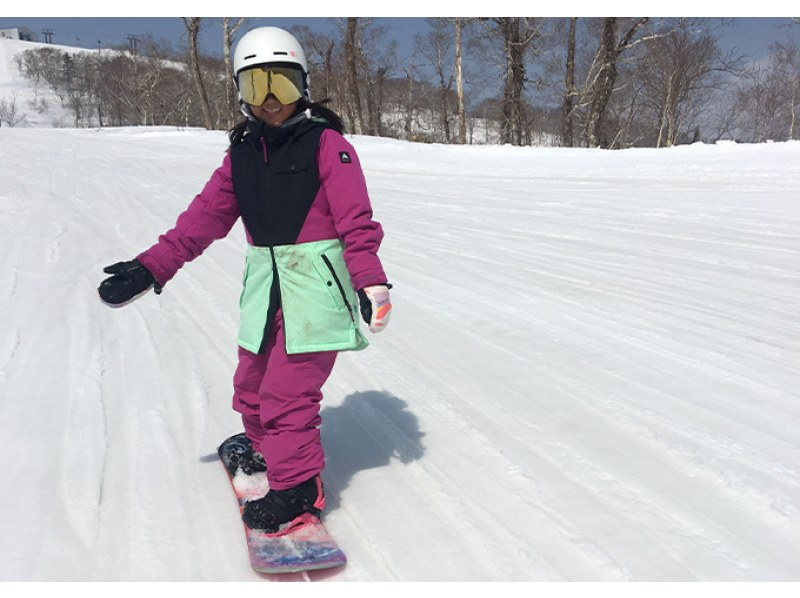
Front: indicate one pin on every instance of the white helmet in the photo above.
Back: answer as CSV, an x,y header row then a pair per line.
x,y
268,44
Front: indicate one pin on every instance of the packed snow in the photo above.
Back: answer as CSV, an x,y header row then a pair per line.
x,y
592,372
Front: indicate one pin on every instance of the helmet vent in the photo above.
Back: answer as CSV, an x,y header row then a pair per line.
x,y
249,57
281,53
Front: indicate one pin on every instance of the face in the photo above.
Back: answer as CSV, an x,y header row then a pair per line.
x,y
272,112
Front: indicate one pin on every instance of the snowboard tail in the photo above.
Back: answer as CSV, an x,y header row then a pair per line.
x,y
306,545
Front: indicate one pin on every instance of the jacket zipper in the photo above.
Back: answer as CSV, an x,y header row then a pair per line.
x,y
274,302
339,284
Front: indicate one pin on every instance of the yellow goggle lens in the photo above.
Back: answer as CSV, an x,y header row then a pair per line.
x,y
257,83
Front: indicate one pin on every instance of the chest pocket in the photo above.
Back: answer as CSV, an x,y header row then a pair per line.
x,y
297,166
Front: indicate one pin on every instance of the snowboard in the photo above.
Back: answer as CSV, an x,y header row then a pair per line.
x,y
306,546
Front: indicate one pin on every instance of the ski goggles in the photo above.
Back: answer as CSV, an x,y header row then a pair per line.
x,y
255,84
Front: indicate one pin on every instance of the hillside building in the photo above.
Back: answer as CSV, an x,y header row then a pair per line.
x,y
21,33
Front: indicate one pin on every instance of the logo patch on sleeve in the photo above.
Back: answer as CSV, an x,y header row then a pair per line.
x,y
345,158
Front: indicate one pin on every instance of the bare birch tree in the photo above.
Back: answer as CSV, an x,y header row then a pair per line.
x,y
409,105
786,63
192,25
768,97
229,29
681,73
10,115
458,28
604,79
570,92
437,46
351,54
369,62
517,35
319,49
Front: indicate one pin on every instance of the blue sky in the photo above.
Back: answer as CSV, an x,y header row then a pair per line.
x,y
752,35
85,32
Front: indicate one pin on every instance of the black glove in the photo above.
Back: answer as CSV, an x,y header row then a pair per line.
x,y
129,281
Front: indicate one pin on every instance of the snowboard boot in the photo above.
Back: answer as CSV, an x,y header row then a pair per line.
x,y
281,511
242,456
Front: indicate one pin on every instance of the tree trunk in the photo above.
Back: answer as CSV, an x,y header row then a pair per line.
x,y
227,41
462,111
570,93
408,118
192,25
351,59
512,110
596,136
328,69
597,129
444,105
795,86
374,101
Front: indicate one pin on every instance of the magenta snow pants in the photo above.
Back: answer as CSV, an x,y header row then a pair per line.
x,y
278,396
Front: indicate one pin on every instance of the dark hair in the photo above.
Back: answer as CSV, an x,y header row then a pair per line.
x,y
317,110
236,133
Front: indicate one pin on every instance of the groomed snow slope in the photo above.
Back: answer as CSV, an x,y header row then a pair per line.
x,y
592,371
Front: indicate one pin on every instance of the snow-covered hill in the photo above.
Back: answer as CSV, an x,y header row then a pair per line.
x,y
33,105
592,370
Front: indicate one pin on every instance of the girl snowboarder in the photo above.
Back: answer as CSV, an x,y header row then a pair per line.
x,y
311,265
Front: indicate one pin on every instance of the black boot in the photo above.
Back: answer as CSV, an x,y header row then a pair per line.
x,y
240,455
279,508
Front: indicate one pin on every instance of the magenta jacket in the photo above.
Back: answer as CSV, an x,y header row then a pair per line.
x,y
341,209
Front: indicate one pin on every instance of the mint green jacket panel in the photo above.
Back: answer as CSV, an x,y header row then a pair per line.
x,y
319,304
255,298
